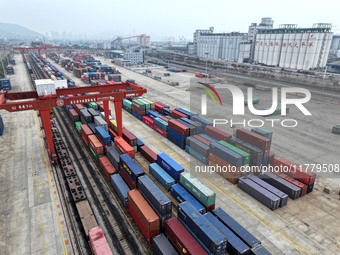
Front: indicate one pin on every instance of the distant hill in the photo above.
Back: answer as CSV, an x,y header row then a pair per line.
x,y
7,29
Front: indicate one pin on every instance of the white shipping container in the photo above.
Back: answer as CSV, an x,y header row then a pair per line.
x,y
98,121
45,87
102,114
60,84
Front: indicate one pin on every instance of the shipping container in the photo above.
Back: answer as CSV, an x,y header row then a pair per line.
x,y
177,115
139,144
74,115
129,137
196,155
148,121
129,165
98,243
85,132
263,132
283,196
210,139
113,125
256,154
259,250
259,141
161,123
99,121
187,113
197,189
92,126
107,167
124,147
96,145
103,136
113,156
290,189
217,134
202,140
200,128
227,154
202,121
93,114
153,114
192,129
198,146
120,187
234,244
78,107
152,104
161,246
148,154
159,106
297,183
138,116
145,218
161,176
178,127
234,226
181,195
203,230
166,111
169,165
245,155
127,179
160,131
181,239
259,193
85,116
174,138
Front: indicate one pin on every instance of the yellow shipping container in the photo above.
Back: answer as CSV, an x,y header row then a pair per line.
x,y
152,104
113,125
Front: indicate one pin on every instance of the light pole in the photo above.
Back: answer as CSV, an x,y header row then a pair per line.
x,y
206,65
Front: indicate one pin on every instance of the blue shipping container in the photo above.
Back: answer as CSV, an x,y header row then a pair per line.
x,y
200,128
162,246
177,136
196,155
198,146
139,144
103,135
259,250
206,137
193,129
212,239
120,187
234,226
235,244
228,155
166,111
129,165
184,112
176,141
136,115
202,121
154,195
256,154
161,176
113,156
181,195
161,123
153,114
169,165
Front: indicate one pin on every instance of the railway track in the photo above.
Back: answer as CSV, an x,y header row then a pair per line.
x,y
106,211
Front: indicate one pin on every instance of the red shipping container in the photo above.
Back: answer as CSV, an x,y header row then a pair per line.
x,y
201,139
160,131
217,134
303,175
78,107
228,167
127,178
146,219
129,138
98,243
149,154
254,139
124,147
107,167
165,119
159,106
148,121
85,132
181,239
177,115
74,115
140,112
112,134
178,127
301,185
96,145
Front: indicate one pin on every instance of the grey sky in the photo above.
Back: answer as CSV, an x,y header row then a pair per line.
x,y
163,18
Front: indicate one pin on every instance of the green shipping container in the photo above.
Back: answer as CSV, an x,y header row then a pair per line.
x,y
78,124
336,129
269,133
169,117
196,188
126,108
255,101
93,105
245,155
147,105
96,156
193,113
127,103
138,104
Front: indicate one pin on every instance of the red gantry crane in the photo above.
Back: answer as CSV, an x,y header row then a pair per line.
x,y
29,100
23,51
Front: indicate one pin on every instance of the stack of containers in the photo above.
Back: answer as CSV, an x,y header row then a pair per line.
x,y
186,112
120,187
96,147
130,171
130,139
124,147
100,122
263,132
177,115
146,219
199,127
113,156
152,104
227,162
102,115
181,195
256,154
181,239
85,132
78,126
148,121
202,121
198,190
107,167
177,133
147,105
257,140
85,116
138,109
169,165
217,134
161,126
301,174
94,106
212,241
166,111
103,135
197,149
74,115
158,201
113,125
161,176
192,129
93,114
159,106
152,114
127,105
148,154
297,183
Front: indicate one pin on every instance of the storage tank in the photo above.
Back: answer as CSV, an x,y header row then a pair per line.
x,y
265,48
257,46
319,43
261,43
310,52
326,49
303,51
335,42
271,49
290,46
296,49
284,49
277,49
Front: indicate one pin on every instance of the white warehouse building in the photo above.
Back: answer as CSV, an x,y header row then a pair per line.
x,y
292,47
220,46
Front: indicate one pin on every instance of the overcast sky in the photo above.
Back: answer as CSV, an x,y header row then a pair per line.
x,y
163,18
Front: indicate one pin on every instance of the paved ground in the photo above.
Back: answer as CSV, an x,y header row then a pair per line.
x,y
31,219
308,225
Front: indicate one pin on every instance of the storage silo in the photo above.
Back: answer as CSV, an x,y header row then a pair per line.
x,y
284,49
271,49
296,49
319,43
265,48
277,49
257,47
260,54
303,51
289,55
310,52
326,49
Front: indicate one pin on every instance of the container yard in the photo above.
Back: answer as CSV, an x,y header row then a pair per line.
x,y
104,159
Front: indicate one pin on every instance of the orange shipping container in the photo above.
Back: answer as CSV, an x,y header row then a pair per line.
x,y
96,145
146,219
107,167
124,147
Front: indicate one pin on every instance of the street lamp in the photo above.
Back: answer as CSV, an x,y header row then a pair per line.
x,y
206,65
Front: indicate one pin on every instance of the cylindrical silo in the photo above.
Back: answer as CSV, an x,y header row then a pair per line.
x,y
257,46
289,50
296,49
261,36
270,49
277,49
303,50
265,48
319,43
310,53
327,47
285,40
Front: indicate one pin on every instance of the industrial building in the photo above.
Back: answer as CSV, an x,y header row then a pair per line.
x,y
132,57
293,47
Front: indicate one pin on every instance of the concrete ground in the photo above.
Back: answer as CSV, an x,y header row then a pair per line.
x,y
308,225
31,217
